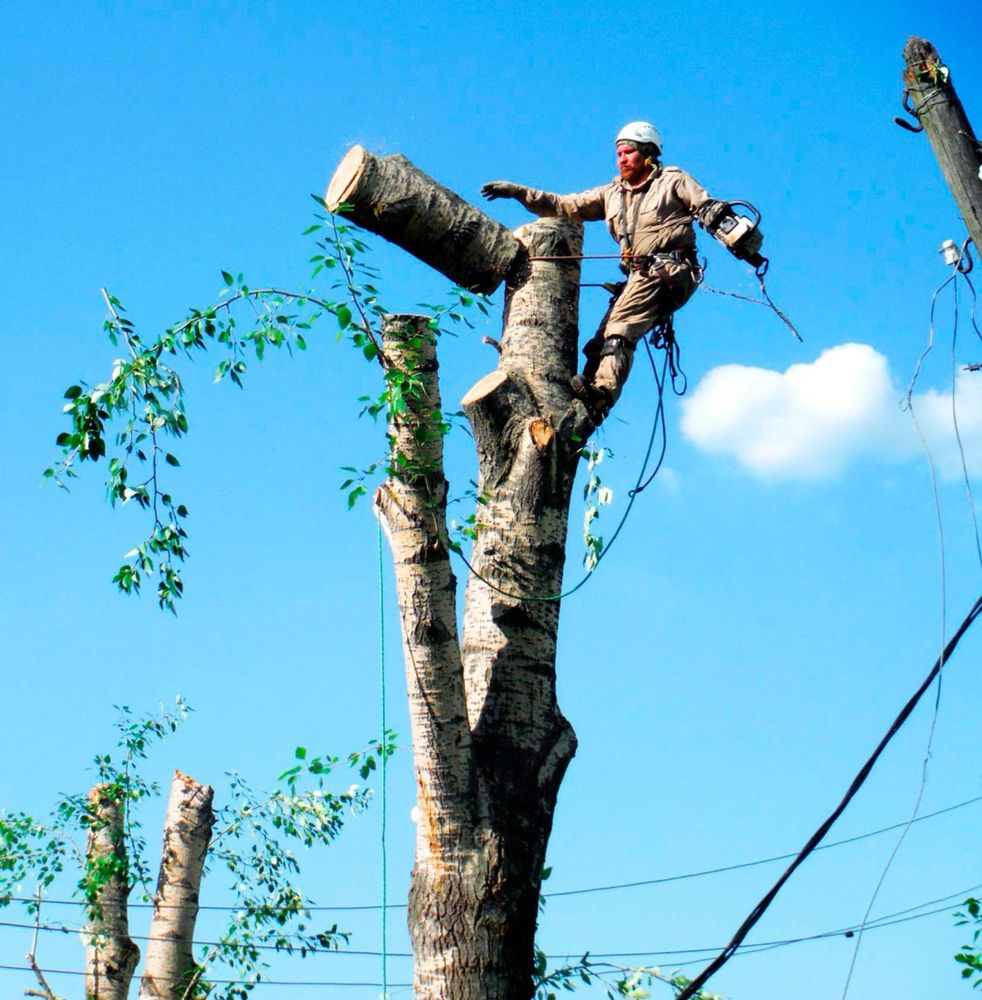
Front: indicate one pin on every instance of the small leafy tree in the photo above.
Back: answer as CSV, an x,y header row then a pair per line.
x,y
253,840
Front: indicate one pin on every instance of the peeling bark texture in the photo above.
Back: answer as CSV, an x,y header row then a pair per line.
x,y
170,967
393,198
947,127
110,954
490,744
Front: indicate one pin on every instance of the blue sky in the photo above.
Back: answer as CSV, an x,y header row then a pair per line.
x,y
776,595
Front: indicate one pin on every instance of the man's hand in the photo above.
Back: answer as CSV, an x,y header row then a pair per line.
x,y
501,189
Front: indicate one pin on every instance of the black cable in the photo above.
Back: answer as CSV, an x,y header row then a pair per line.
x,y
218,982
887,920
758,911
761,861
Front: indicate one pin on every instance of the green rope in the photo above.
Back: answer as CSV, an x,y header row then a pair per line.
x,y
384,755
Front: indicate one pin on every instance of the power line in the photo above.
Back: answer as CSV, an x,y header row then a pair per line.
x,y
887,920
760,861
937,696
221,982
758,911
589,889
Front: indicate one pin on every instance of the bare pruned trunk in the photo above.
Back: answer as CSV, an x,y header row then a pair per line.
x,y
170,970
110,954
491,745
390,196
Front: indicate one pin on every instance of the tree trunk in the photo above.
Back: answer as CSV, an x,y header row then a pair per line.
x,y
393,198
941,113
491,745
110,954
170,971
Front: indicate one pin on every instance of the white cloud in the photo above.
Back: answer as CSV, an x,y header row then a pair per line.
x,y
814,419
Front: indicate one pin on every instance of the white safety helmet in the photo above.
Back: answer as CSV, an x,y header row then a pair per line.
x,y
643,133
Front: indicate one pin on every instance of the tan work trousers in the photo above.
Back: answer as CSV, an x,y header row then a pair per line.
x,y
647,298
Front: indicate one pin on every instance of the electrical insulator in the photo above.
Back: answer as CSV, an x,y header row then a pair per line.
x,y
950,250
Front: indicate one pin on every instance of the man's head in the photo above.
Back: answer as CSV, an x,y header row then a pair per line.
x,y
638,147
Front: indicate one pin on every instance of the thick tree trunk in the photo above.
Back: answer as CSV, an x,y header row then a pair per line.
x,y
491,745
393,198
110,954
170,969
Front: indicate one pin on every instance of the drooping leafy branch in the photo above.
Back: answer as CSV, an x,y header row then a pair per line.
x,y
129,418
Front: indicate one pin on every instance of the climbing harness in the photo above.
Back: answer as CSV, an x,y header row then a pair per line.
x,y
743,239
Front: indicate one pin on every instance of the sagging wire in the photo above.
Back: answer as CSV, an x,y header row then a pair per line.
x,y
964,270
908,404
886,920
761,908
586,890
961,263
782,316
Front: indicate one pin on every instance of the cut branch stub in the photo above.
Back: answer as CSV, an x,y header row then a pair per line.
x,y
391,197
170,972
110,954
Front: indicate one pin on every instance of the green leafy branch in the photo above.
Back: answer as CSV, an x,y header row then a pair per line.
x,y
617,981
595,496
970,957
142,401
468,528
366,760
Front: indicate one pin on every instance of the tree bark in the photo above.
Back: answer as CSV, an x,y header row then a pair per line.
x,y
491,745
939,110
110,954
393,198
170,970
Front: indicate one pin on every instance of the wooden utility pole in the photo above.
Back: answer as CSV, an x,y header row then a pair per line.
x,y
935,104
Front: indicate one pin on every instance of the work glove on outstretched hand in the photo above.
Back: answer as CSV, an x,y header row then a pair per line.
x,y
501,189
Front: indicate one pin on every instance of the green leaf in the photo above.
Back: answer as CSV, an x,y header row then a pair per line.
x,y
344,318
73,392
228,279
171,459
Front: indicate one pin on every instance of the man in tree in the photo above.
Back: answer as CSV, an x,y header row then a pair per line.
x,y
649,209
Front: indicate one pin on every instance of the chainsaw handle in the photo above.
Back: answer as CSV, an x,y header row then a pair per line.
x,y
752,209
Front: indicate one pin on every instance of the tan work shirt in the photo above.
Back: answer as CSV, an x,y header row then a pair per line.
x,y
653,218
